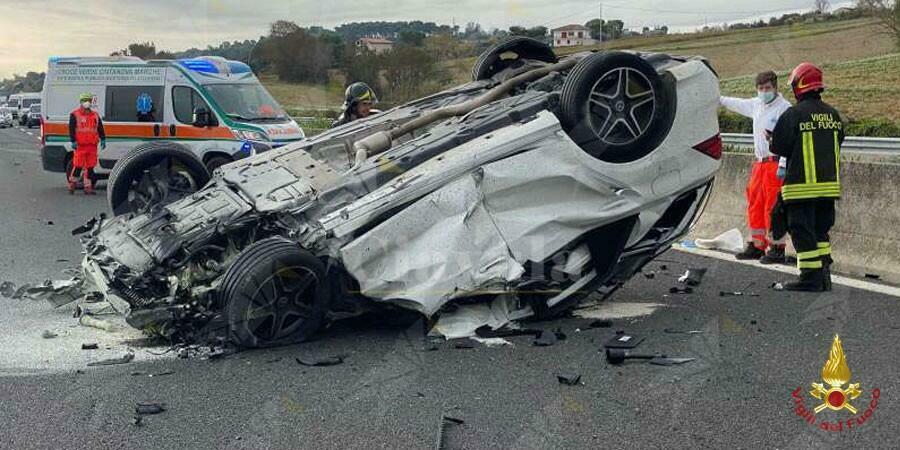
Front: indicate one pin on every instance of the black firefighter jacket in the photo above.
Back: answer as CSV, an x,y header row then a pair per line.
x,y
810,135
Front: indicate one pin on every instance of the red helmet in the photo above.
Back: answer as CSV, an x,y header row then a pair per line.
x,y
806,78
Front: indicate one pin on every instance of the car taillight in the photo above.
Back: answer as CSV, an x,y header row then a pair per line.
x,y
711,147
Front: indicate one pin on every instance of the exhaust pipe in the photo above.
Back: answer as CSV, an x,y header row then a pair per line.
x,y
382,141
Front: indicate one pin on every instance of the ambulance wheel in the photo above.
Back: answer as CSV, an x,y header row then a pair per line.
x,y
94,176
510,53
274,293
152,175
616,107
214,162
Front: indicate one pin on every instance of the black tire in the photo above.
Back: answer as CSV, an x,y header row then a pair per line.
x,y
260,276
214,162
616,107
185,174
491,61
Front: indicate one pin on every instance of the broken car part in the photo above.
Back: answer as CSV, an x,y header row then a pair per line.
x,y
99,324
91,346
674,331
693,277
571,379
623,340
124,359
618,356
320,361
149,408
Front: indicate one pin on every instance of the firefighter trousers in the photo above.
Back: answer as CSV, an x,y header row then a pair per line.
x,y
809,222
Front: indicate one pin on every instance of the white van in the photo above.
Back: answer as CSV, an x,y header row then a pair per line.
x,y
12,104
27,99
214,107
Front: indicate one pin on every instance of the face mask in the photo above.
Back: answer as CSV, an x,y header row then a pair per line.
x,y
766,97
86,105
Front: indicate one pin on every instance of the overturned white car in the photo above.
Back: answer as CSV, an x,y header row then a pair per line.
x,y
544,178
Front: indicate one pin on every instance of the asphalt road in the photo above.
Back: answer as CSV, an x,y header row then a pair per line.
x,y
752,352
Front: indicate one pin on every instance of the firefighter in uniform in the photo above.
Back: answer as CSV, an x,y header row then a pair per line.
x,y
85,133
810,135
358,101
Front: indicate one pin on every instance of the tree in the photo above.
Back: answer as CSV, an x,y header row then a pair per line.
x,y
143,50
410,37
613,29
296,55
888,14
822,6
539,32
597,28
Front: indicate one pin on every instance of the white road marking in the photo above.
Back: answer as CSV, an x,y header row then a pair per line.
x,y
24,152
836,279
616,310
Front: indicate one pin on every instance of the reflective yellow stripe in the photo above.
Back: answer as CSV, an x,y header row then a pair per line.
x,y
823,245
812,190
809,157
824,248
837,157
808,255
809,264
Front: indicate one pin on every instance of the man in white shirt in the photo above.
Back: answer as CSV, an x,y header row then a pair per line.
x,y
764,185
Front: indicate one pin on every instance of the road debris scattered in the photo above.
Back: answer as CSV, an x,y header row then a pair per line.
x,y
778,286
90,346
99,324
693,276
569,378
618,356
321,361
149,408
464,344
440,442
623,340
601,324
737,294
681,290
674,331
8,289
505,331
124,359
492,342
545,339
47,334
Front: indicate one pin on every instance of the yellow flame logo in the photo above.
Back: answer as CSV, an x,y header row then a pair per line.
x,y
835,373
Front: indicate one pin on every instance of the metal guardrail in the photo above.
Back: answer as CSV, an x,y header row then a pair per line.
x,y
853,144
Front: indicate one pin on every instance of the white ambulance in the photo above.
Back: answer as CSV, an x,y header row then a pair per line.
x,y
213,107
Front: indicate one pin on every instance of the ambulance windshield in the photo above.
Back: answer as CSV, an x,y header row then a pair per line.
x,y
246,101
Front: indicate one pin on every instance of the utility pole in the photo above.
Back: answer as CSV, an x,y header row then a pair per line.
x,y
601,24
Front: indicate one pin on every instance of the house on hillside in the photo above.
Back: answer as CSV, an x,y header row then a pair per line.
x,y
375,44
571,35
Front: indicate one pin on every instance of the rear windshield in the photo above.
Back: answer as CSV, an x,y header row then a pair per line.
x,y
30,101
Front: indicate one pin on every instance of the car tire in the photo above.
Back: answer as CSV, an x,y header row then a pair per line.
x,y
616,107
154,174
259,280
491,61
214,162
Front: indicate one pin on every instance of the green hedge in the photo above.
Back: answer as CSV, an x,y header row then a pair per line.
x,y
730,122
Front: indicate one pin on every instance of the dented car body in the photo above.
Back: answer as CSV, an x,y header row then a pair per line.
x,y
525,191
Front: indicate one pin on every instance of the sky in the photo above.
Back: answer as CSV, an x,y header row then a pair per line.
x,y
37,29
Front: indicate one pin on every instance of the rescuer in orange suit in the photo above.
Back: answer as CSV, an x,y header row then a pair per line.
x,y
85,133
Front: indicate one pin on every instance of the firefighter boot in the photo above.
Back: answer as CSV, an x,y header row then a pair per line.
x,y
811,280
750,252
88,184
775,255
826,273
